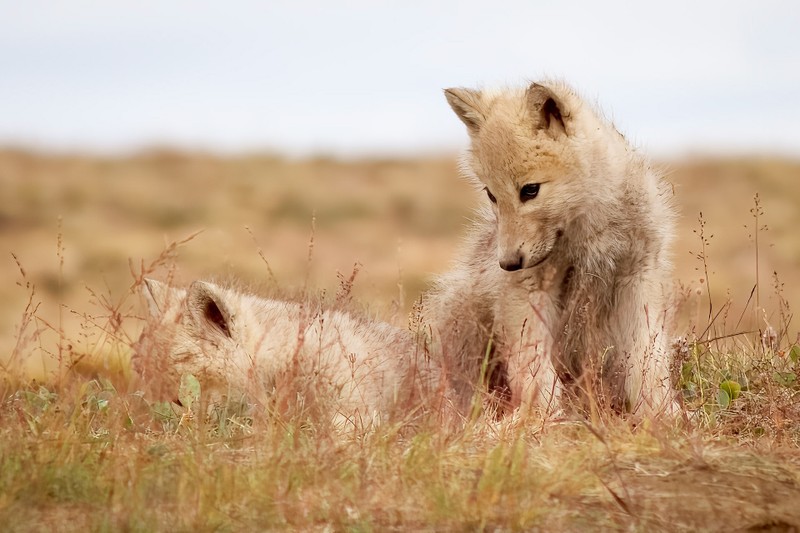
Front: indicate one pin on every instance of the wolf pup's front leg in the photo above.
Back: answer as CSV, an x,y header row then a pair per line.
x,y
525,341
640,321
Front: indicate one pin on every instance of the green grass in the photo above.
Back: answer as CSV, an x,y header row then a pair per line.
x,y
82,455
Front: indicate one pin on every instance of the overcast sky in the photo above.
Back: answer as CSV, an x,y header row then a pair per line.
x,y
355,78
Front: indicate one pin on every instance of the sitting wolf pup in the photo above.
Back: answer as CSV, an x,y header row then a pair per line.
x,y
351,370
565,276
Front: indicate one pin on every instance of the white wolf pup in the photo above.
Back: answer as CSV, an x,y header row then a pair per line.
x,y
350,369
565,277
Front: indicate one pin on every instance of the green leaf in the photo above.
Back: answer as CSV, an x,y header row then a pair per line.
x,y
189,391
732,388
794,353
786,379
723,398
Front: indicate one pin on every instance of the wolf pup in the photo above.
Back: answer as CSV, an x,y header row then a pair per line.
x,y
563,283
352,370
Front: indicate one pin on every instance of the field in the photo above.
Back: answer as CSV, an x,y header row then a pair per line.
x,y
82,448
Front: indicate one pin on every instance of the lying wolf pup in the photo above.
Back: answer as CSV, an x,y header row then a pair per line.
x,y
352,369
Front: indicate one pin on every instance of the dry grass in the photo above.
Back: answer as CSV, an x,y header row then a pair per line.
x,y
81,448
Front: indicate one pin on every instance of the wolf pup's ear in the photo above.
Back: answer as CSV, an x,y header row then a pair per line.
x,y
207,308
156,294
546,111
468,106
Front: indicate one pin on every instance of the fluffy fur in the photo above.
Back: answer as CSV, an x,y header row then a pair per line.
x,y
562,284
350,369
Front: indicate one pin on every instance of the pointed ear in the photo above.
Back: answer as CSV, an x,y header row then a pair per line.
x,y
158,296
468,105
546,111
207,308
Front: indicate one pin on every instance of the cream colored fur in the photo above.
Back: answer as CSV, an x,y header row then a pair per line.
x,y
563,287
356,370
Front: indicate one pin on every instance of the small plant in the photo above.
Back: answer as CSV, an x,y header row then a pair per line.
x,y
189,391
729,390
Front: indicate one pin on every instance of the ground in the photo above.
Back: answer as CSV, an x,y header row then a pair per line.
x,y
82,447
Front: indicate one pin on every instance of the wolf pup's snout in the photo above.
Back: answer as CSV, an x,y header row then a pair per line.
x,y
512,261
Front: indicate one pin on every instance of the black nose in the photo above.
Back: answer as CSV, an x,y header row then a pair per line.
x,y
511,263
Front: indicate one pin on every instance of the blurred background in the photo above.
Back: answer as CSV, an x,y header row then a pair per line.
x,y
127,126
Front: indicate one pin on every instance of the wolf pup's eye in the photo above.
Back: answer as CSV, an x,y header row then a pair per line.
x,y
490,195
528,192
